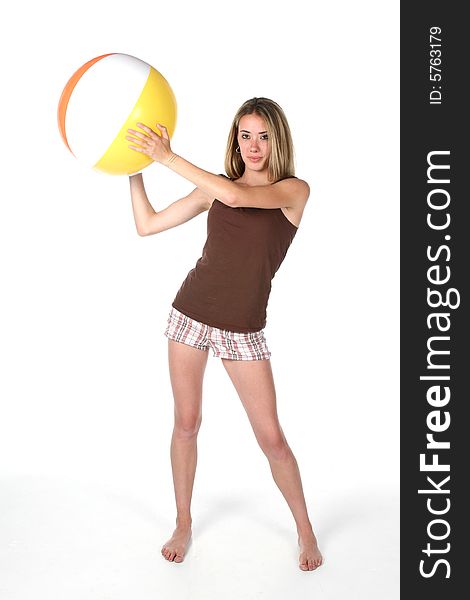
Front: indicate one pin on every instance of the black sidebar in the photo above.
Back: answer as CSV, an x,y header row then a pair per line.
x,y
435,270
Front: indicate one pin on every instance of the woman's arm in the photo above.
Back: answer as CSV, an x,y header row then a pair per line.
x,y
148,221
288,193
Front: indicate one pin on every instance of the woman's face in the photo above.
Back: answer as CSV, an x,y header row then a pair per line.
x,y
255,147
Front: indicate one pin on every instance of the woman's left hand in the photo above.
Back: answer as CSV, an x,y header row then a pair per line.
x,y
150,143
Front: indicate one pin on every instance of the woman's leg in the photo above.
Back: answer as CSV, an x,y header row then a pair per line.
x,y
253,380
187,366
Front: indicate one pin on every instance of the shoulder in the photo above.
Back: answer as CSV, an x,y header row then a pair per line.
x,y
297,189
211,200
199,197
204,197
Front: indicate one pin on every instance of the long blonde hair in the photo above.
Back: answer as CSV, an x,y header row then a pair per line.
x,y
281,158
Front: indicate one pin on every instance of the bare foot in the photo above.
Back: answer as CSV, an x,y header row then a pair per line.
x,y
310,556
175,548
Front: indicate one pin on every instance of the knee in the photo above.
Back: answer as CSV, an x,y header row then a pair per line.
x,y
186,428
275,447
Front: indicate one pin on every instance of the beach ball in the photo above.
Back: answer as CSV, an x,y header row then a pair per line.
x,y
105,97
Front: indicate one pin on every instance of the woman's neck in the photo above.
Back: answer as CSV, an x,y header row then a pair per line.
x,y
250,177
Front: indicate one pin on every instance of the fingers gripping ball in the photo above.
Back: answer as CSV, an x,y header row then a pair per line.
x,y
105,97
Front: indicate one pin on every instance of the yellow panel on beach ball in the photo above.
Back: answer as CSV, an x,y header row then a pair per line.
x,y
155,105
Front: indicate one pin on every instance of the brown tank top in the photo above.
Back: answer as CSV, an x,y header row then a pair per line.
x,y
230,285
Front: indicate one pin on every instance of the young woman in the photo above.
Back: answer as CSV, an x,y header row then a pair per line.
x,y
254,214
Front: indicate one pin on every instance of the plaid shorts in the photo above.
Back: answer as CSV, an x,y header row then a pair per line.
x,y
224,344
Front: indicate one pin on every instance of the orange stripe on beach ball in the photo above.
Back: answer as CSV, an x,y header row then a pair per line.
x,y
65,97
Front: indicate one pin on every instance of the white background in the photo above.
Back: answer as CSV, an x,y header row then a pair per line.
x,y
86,405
